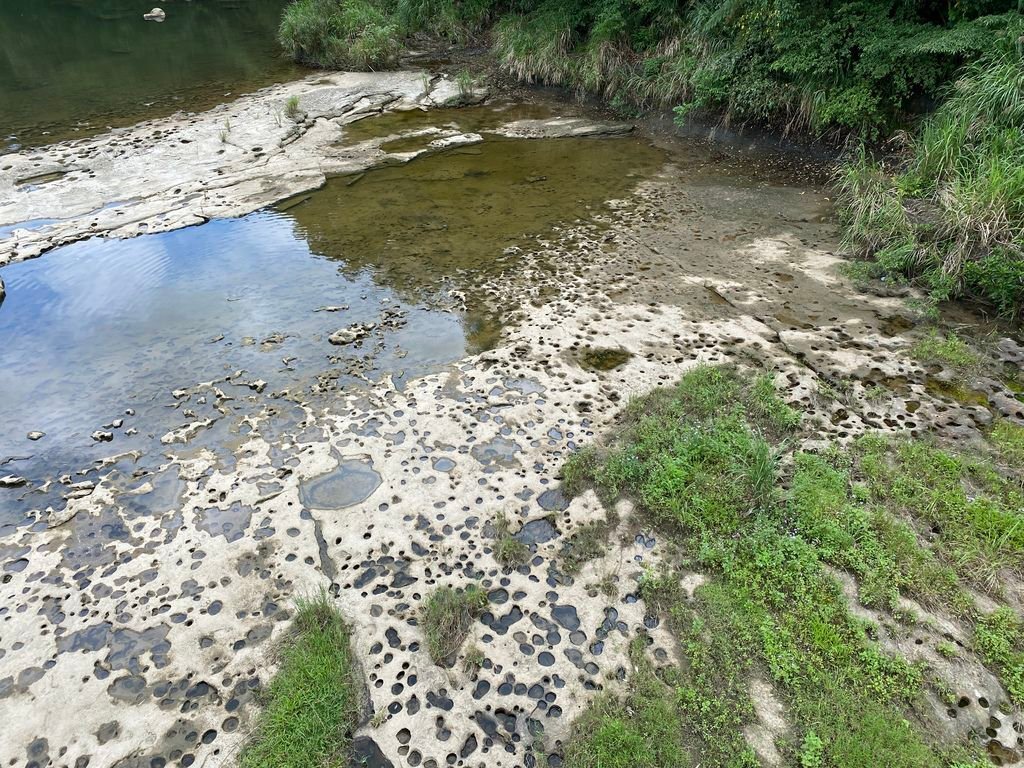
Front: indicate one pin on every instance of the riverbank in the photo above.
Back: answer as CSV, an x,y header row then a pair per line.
x,y
154,611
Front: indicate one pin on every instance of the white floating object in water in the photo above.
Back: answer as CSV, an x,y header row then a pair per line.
x,y
157,14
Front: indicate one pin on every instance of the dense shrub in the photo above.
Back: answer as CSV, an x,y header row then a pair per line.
x,y
839,66
851,66
951,213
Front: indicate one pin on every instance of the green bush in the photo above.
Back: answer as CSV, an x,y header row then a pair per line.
x,y
340,34
841,66
854,66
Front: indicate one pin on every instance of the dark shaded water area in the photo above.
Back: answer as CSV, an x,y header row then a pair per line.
x,y
70,68
97,336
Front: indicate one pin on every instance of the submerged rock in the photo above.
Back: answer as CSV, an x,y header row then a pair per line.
x,y
366,752
35,435
355,332
561,127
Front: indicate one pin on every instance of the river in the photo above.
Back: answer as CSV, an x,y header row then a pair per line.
x,y
72,68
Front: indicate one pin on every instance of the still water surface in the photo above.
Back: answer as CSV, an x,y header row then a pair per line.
x,y
96,335
70,68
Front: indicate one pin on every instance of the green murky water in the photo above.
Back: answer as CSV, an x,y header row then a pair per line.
x,y
604,359
463,218
70,68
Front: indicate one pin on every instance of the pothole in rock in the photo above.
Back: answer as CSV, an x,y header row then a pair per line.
x,y
603,358
352,482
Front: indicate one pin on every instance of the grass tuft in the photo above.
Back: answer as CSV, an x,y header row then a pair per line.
x,y
447,616
587,543
950,350
312,703
508,550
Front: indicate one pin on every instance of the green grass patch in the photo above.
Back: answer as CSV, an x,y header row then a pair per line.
x,y
446,617
1008,437
950,350
999,640
641,730
974,515
863,538
311,706
703,462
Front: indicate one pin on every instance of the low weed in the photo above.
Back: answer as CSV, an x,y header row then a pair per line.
x,y
508,550
642,730
950,350
588,543
1008,437
999,640
446,618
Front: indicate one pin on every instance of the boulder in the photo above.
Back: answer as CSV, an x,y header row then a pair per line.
x,y
157,14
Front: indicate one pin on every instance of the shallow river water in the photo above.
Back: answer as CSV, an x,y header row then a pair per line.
x,y
97,335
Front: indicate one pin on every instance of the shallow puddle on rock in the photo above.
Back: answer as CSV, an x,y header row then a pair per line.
x,y
98,334
460,215
952,390
41,178
481,119
350,483
603,359
34,224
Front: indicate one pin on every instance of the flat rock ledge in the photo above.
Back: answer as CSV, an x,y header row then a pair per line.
x,y
229,161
